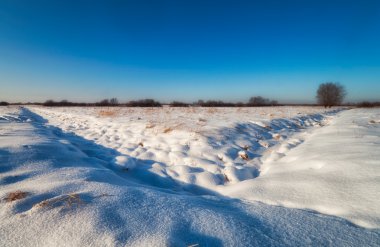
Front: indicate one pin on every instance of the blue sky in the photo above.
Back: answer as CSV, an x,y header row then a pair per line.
x,y
187,50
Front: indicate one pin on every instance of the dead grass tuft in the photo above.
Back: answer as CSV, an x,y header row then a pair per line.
x,y
108,113
150,125
212,110
277,137
68,201
167,130
243,155
17,195
226,179
190,109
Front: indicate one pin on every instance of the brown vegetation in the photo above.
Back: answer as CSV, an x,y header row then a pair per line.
x,y
16,195
108,113
68,201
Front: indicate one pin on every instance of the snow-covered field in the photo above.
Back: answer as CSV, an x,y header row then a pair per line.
x,y
189,176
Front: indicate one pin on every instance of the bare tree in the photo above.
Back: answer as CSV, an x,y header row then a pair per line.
x,y
330,94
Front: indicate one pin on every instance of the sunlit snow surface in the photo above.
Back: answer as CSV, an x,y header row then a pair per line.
x,y
160,177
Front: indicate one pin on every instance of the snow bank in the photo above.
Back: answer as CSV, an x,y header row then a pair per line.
x,y
335,171
76,197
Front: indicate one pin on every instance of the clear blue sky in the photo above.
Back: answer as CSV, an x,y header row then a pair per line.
x,y
187,50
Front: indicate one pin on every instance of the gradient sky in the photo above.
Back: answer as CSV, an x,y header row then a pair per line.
x,y
187,50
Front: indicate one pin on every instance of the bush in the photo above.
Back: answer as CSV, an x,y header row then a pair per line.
x,y
261,101
330,94
178,104
49,103
144,103
3,103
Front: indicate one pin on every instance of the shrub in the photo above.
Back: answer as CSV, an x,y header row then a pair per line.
x,y
144,103
3,103
178,104
214,103
261,101
49,103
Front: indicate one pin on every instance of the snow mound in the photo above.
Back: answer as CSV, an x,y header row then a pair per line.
x,y
125,162
335,171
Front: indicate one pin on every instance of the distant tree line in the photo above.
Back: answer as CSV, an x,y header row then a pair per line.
x,y
328,94
63,103
106,102
253,101
367,104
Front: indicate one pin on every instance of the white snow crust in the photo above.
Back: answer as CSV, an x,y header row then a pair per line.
x,y
180,177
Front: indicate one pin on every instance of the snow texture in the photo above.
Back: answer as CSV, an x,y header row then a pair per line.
x,y
81,191
335,171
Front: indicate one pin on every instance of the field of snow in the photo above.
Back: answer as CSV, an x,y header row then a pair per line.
x,y
204,147
273,176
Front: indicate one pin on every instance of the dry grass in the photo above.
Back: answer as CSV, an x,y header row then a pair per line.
x,y
277,137
189,110
264,144
150,125
68,201
108,113
244,155
242,110
226,179
174,127
17,195
167,130
212,110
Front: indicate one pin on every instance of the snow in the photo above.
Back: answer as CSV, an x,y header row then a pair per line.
x,y
207,147
335,171
88,184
